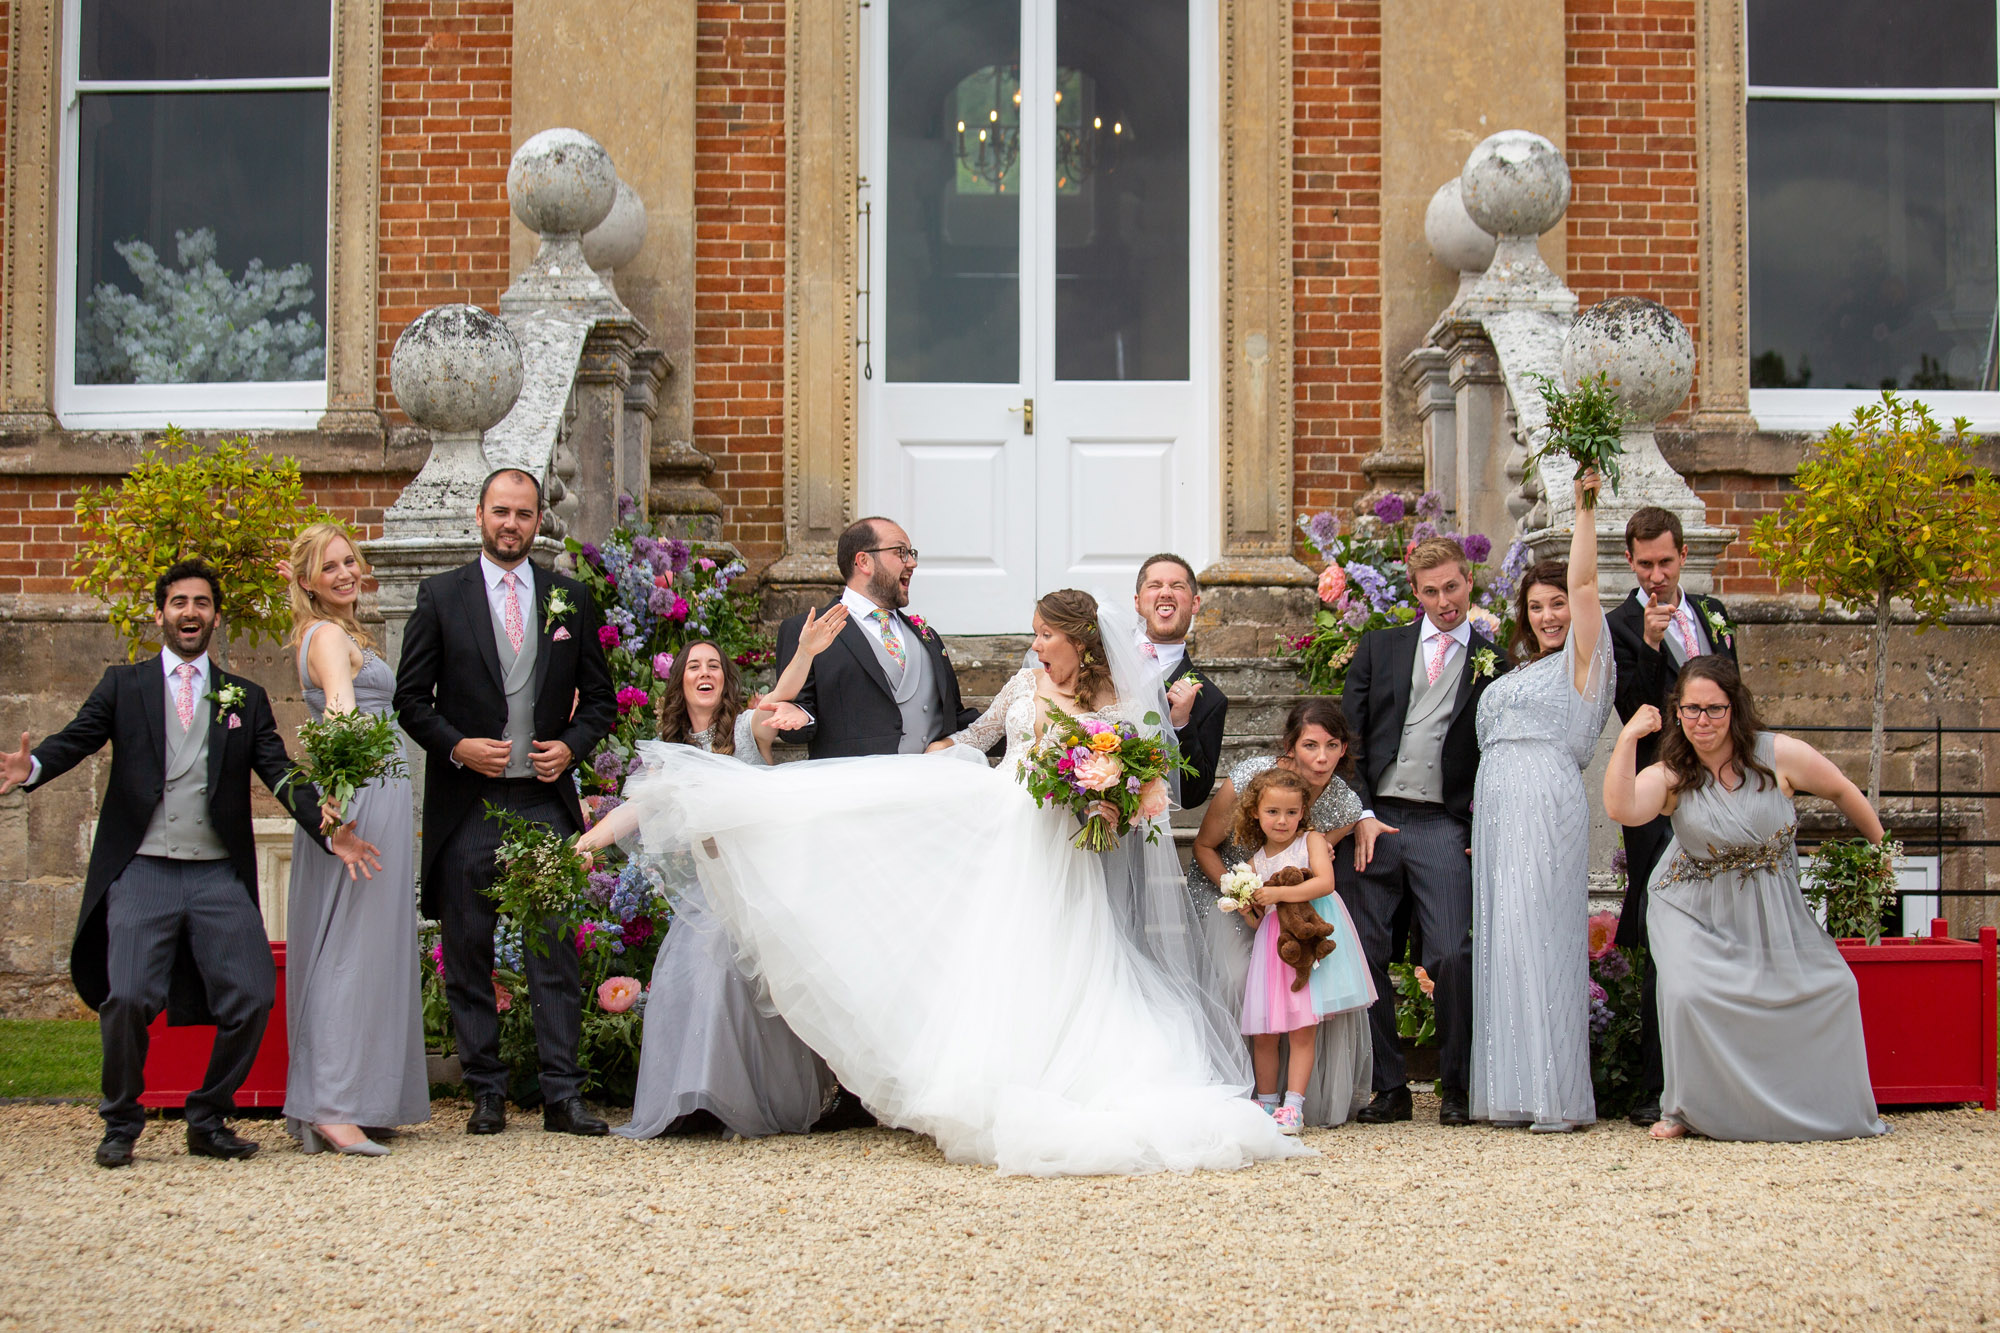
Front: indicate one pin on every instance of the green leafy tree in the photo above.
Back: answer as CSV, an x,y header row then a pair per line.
x,y
1888,507
228,504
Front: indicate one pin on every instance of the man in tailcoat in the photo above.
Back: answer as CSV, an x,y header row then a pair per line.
x,y
1166,598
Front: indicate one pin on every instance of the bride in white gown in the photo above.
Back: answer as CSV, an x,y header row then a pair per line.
x,y
968,973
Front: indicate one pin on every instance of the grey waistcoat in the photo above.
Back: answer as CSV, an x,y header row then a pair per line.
x,y
914,688
1418,773
180,827
518,680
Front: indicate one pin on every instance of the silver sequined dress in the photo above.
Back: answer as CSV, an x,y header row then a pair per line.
x,y
1531,889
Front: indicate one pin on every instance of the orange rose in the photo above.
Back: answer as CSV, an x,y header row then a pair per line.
x,y
1104,742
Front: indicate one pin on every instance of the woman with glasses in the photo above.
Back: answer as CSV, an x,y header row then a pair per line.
x,y
1760,1025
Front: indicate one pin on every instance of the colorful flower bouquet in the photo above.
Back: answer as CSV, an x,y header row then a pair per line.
x,y
1108,775
344,752
1365,584
541,879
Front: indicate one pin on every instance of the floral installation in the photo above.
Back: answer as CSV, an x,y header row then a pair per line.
x,y
617,994
228,698
1365,585
1107,774
1614,998
1239,889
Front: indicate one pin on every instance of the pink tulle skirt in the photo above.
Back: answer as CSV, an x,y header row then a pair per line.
x,y
1269,1002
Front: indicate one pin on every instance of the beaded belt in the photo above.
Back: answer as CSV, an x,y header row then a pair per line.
x,y
1766,855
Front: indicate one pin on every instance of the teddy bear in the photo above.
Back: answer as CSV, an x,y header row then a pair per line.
x,y
1304,936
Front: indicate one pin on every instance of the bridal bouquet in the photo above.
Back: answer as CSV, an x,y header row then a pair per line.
x,y
344,752
541,879
1239,889
1586,425
1106,774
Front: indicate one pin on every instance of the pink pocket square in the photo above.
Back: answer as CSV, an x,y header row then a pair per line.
x,y
562,632
234,722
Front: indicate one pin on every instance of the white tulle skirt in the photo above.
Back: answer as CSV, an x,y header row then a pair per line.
x,y
934,936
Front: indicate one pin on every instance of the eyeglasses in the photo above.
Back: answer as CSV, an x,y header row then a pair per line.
x,y
1713,712
906,554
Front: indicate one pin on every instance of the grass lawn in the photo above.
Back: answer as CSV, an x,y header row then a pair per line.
x,y
48,1057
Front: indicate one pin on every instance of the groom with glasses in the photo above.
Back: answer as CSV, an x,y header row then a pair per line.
x,y
1655,631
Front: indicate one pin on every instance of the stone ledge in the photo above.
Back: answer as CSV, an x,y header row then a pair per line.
x,y
1804,609
1759,453
64,453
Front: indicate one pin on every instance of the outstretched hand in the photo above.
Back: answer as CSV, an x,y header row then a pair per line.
x,y
361,857
781,716
819,631
16,766
1365,833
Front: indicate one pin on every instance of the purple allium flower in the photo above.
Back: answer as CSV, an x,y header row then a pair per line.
x,y
608,766
1620,862
677,554
606,804
643,548
1430,506
660,601
1389,509
628,508
1423,532
593,556
1324,529
1477,547
601,885
1614,966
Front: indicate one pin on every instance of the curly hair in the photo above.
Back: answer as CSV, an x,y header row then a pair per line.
x,y
1249,833
1524,645
1073,615
674,727
307,554
1677,752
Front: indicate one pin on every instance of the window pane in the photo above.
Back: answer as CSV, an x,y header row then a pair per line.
x,y
205,39
1122,190
1872,43
953,310
201,237
1871,245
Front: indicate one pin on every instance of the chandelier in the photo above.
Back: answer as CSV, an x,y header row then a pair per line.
x,y
990,151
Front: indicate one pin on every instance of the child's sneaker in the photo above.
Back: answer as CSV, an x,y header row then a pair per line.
x,y
1290,1121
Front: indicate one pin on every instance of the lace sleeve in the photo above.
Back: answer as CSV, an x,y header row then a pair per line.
x,y
990,726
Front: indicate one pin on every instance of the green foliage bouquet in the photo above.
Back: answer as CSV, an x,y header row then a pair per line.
x,y
1853,881
1585,425
542,886
344,752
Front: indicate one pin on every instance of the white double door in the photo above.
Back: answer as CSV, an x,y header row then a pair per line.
x,y
1038,412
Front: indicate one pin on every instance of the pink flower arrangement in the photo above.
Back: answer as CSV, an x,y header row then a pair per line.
x,y
680,610
617,994
607,636
1098,772
631,697
1603,934
663,666
1332,585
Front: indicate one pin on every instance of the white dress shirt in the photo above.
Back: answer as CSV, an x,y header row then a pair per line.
x,y
169,662
1169,655
861,610
1702,646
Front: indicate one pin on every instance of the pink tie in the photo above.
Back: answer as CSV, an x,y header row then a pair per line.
x,y
516,628
184,694
1685,623
1149,650
1440,648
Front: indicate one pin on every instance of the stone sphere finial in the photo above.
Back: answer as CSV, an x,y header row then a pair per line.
x,y
614,242
1515,184
1454,237
561,183
1642,347
456,369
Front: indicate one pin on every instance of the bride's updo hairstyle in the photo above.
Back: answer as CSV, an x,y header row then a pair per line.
x,y
674,726
1073,615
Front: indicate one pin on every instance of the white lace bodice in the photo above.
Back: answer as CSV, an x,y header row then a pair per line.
x,y
1012,714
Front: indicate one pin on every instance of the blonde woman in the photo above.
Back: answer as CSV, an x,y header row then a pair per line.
x,y
352,1006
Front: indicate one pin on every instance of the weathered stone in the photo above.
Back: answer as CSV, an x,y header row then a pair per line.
x,y
1641,348
616,241
456,369
1516,186
561,184
1458,242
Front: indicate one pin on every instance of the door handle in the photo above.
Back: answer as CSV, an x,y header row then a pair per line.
x,y
1027,411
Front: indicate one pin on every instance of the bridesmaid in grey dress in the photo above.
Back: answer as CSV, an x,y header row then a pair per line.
x,y
1538,728
707,1044
1760,1023
1317,745
352,1008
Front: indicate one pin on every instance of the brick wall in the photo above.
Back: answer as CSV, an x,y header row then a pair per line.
x,y
447,127
1629,75
739,203
1336,247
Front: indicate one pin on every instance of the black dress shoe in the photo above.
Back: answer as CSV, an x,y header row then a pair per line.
x,y
847,1112
1645,1113
116,1150
571,1116
1453,1108
489,1114
1387,1107
219,1142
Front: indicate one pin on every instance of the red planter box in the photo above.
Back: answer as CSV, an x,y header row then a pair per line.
x,y
177,1058
1927,1012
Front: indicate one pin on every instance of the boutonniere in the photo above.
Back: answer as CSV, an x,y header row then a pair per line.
x,y
1484,663
558,606
917,624
1719,629
228,699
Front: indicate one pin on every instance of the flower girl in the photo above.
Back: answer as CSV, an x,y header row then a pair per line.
x,y
1269,817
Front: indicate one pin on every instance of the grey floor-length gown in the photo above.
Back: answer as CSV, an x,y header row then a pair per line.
x,y
1344,1057
352,1007
1531,889
707,1045
1760,1019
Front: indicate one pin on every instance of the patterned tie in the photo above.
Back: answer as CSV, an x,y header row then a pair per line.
x,y
1685,624
184,694
517,629
890,639
1440,649
1151,652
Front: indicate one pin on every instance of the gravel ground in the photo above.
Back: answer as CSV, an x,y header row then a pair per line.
x,y
871,1228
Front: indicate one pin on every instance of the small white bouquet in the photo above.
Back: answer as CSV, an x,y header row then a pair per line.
x,y
1239,889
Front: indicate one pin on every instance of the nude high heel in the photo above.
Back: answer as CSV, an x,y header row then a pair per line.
x,y
311,1140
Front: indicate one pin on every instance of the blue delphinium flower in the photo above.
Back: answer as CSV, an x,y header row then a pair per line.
x,y
1373,584
507,946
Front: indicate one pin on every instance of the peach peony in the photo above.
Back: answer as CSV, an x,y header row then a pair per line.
x,y
1100,772
1154,798
616,995
1332,585
1424,982
1603,933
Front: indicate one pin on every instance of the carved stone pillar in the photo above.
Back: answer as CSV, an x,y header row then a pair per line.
x,y
1427,374
28,315
350,251
1482,433
606,468
1723,266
